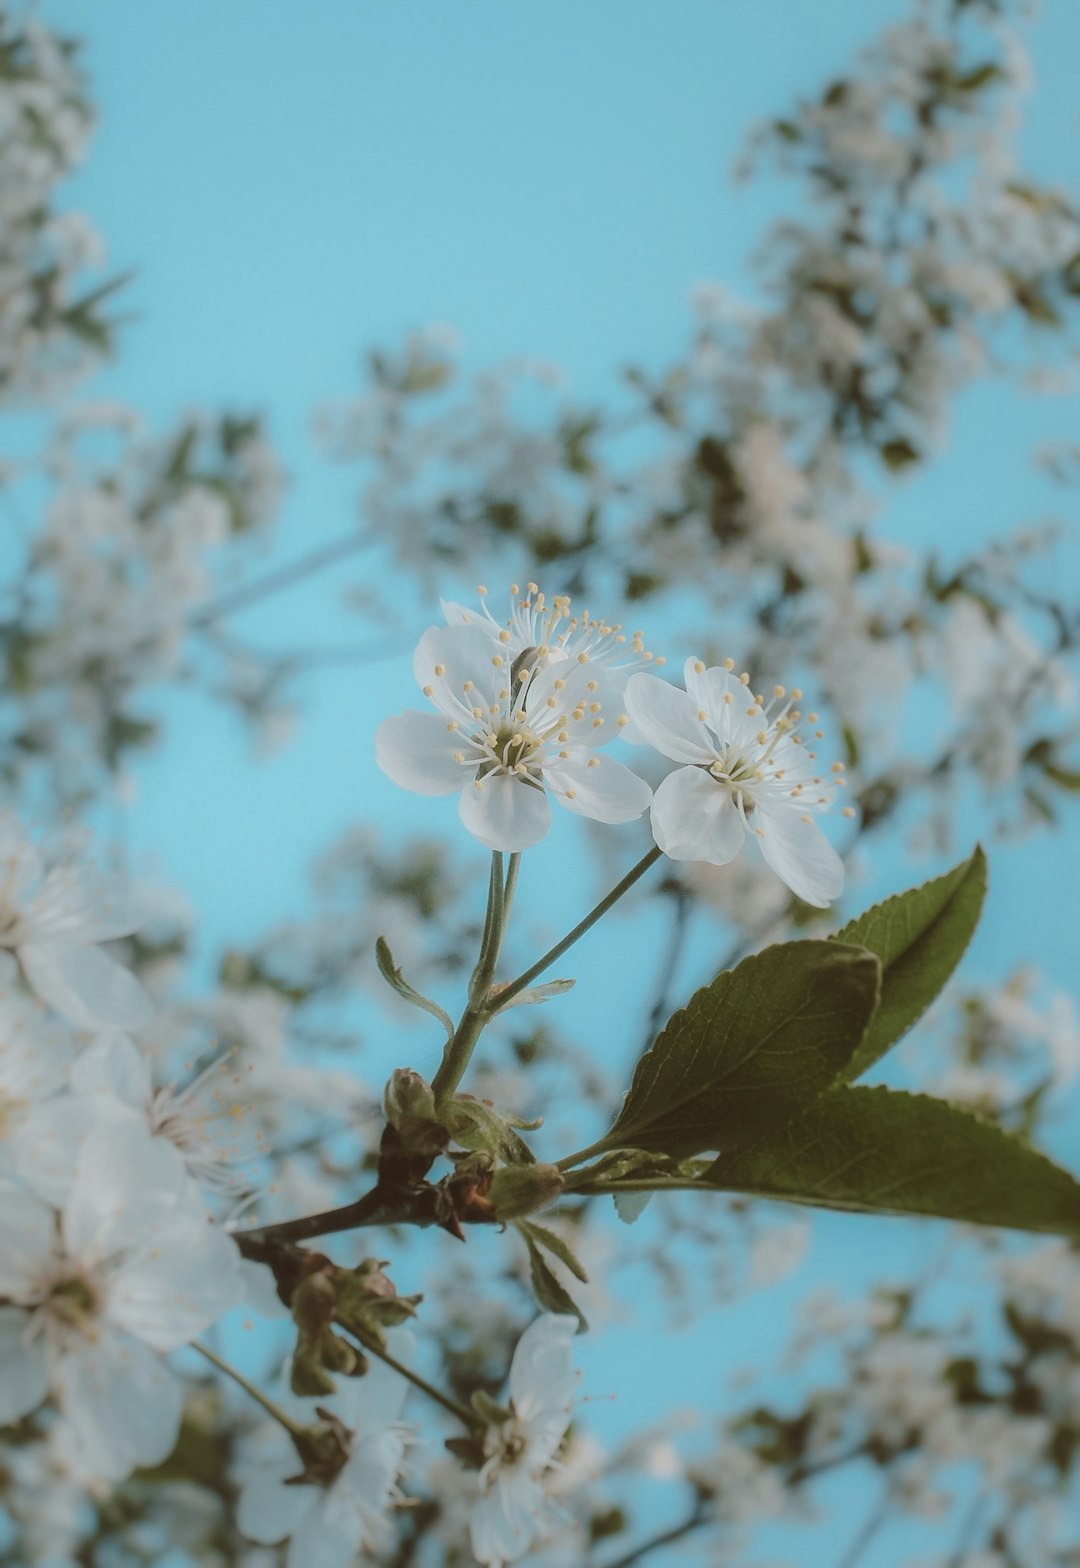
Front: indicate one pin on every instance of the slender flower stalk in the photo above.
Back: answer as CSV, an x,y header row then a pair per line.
x,y
293,1428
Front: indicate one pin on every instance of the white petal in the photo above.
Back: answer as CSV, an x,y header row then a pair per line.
x,y
725,699
462,615
464,654
801,855
81,903
599,787
268,1510
328,1535
113,1064
44,1148
85,985
504,1520
668,719
505,813
543,1382
693,818
27,1241
416,751
24,1374
20,864
121,1402
126,1188
167,1292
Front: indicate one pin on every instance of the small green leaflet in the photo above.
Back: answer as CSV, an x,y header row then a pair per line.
x,y
546,1288
751,1050
394,977
920,937
883,1151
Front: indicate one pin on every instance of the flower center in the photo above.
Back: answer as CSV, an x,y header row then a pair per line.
x,y
506,1444
511,749
72,1305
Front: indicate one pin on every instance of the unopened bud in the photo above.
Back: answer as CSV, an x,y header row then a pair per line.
x,y
517,1190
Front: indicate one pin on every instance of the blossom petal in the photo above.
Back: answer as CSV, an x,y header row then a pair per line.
x,y
114,1065
543,1382
693,818
505,813
668,719
44,1148
267,1510
725,699
800,854
24,1373
505,1519
166,1294
330,1533
121,1402
598,787
464,654
417,751
27,1241
85,985
126,1189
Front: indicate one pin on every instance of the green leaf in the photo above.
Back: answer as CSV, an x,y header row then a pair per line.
x,y
883,1151
547,1289
750,1050
394,977
476,1125
920,937
555,1245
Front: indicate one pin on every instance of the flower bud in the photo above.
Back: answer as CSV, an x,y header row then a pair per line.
x,y
517,1190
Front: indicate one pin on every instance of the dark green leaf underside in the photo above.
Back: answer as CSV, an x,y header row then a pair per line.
x,y
920,937
751,1050
880,1150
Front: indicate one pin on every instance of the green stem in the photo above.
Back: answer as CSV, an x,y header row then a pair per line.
x,y
462,1043
587,1153
510,884
293,1428
580,929
466,1417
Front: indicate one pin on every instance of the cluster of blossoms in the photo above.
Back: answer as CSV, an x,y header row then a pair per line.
x,y
524,706
48,333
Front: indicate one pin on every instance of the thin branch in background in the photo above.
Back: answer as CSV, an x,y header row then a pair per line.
x,y
677,1532
280,578
868,1533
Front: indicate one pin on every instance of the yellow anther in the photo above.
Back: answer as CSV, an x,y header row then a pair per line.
x,y
583,658
451,725
481,590
728,698
593,762
440,669
744,679
429,691
729,664
504,636
624,718
702,715
597,724
848,811
468,686
497,660
571,794
778,691
699,667
591,685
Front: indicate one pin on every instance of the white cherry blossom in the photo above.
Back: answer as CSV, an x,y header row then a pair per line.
x,y
509,732
39,1124
53,920
204,1122
747,773
130,1270
328,1525
513,1501
549,628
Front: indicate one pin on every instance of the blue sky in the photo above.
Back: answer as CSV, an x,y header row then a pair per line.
x,y
294,184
